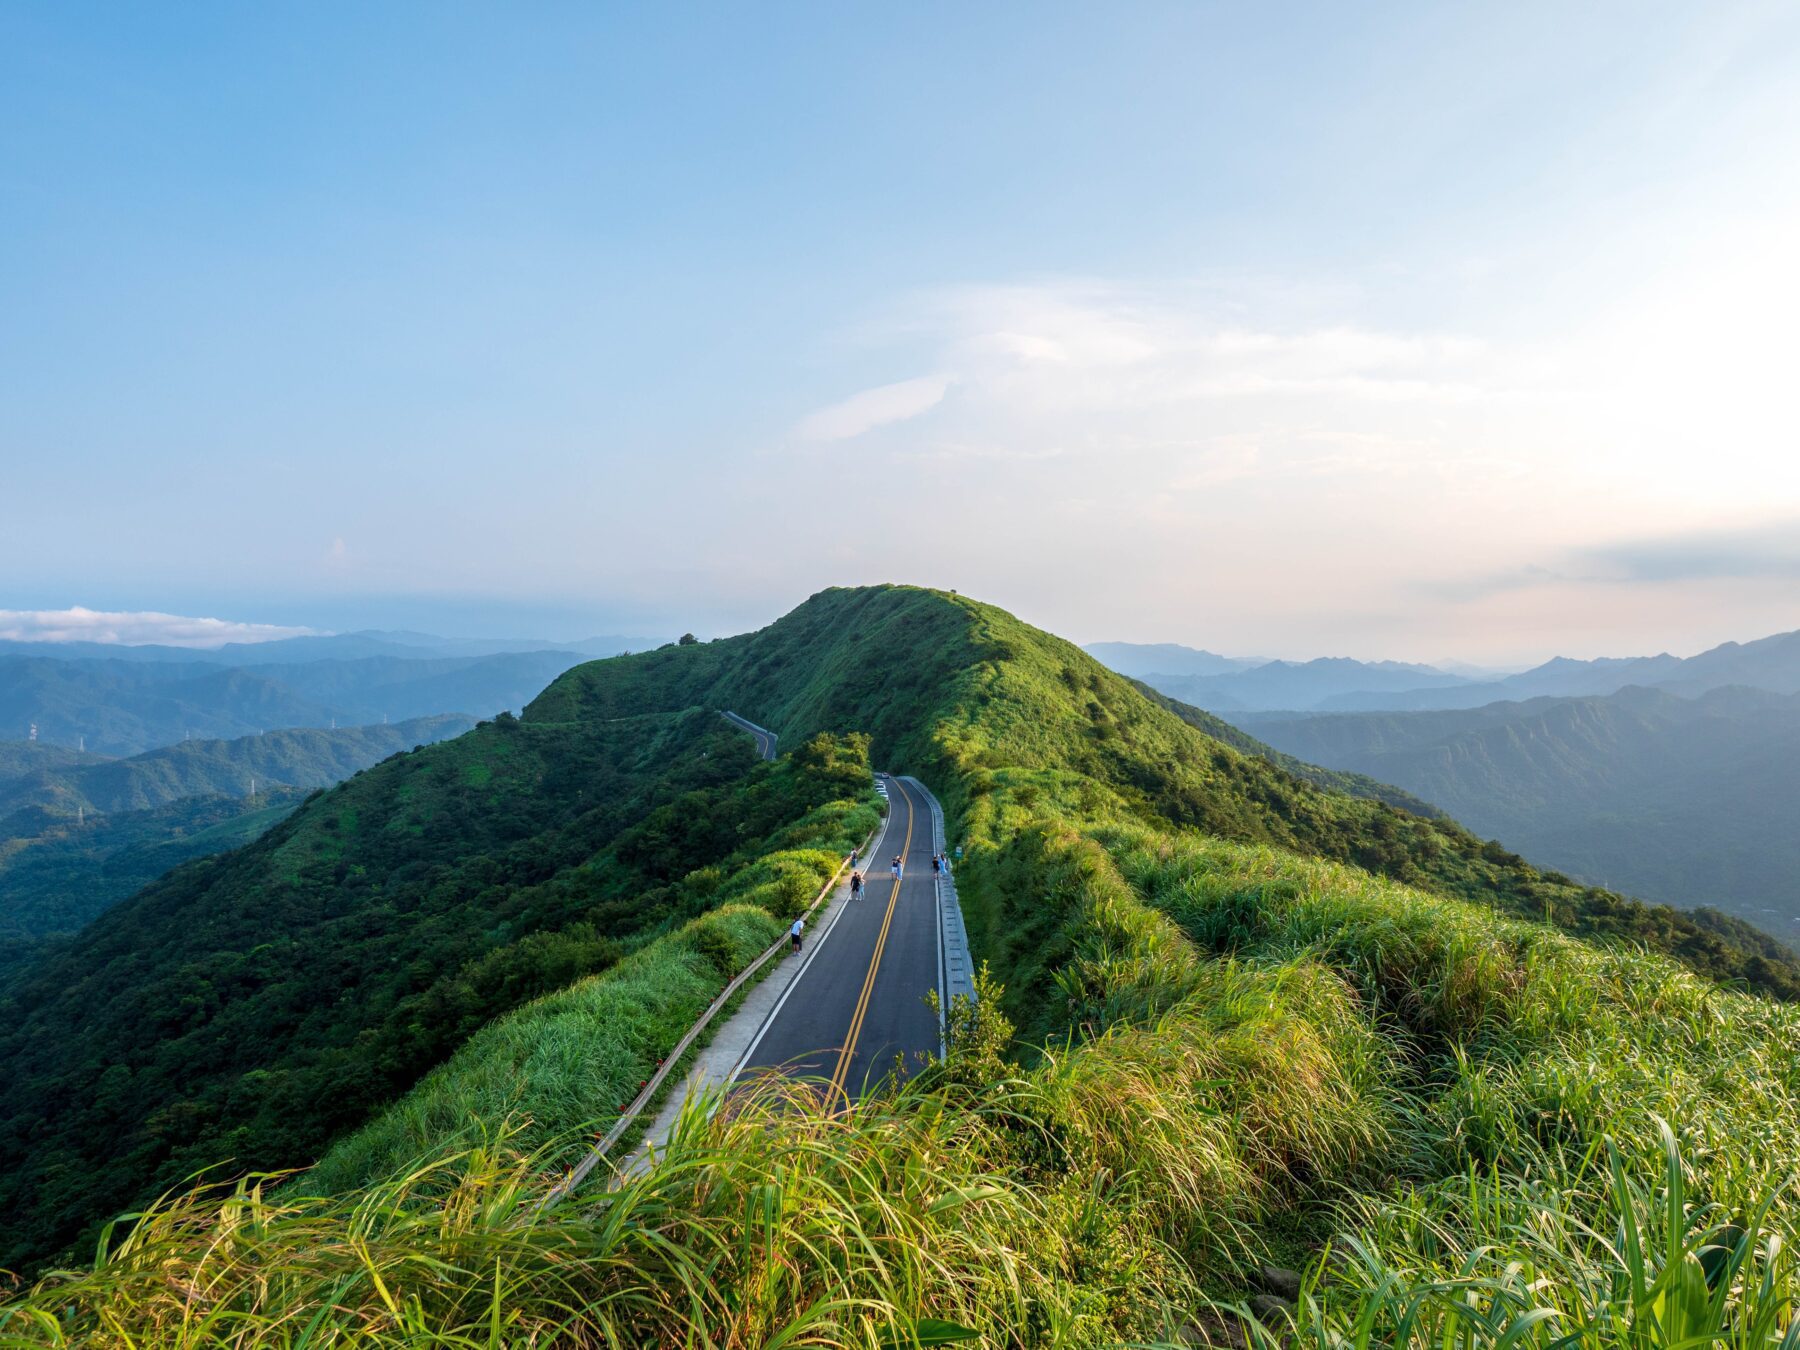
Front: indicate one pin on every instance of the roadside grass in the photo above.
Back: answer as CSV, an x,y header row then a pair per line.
x,y
564,1064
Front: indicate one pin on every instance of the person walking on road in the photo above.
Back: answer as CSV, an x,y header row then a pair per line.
x,y
794,932
898,867
937,864
856,885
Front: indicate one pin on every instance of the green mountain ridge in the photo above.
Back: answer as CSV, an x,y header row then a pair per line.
x,y
79,833
298,757
123,707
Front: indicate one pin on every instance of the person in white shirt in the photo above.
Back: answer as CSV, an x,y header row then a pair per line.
x,y
794,932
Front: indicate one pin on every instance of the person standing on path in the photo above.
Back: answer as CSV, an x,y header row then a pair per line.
x,y
794,932
856,885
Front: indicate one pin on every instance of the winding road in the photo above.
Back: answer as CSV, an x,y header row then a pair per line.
x,y
765,739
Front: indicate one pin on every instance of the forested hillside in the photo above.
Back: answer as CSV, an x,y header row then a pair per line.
x,y
1689,801
251,1008
301,757
56,881
1256,1020
80,832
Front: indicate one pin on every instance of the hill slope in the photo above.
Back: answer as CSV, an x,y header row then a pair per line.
x,y
78,833
299,757
58,880
1686,801
256,1006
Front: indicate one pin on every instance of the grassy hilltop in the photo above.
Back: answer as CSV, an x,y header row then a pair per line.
x,y
1245,1017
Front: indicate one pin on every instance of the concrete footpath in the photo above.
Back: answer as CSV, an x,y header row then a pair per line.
x,y
731,1045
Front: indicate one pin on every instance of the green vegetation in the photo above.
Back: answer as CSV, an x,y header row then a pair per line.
x,y
1258,1022
254,1008
558,1065
79,833
301,757
124,707
53,883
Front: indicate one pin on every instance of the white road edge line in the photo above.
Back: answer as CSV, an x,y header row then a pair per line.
x,y
943,982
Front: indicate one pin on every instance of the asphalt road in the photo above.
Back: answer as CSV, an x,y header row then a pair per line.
x,y
765,740
858,1012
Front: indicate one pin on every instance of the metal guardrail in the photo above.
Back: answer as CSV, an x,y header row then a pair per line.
x,y
581,1170
956,968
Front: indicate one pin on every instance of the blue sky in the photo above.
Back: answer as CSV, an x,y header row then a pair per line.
x,y
1399,330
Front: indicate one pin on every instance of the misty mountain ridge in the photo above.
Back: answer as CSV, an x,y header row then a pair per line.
x,y
1687,800
320,646
121,707
1771,663
1339,684
1140,659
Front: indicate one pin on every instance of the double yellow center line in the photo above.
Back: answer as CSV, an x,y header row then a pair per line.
x,y
862,1003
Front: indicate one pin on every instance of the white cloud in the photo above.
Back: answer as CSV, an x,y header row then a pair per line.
x,y
133,627
875,407
1096,347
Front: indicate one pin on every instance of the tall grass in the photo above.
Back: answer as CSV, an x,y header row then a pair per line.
x,y
564,1064
1378,1085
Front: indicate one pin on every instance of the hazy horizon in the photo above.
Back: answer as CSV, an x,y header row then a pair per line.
x,y
80,624
1406,333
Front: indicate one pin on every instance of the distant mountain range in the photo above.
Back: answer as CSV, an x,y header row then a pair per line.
x,y
329,646
1771,663
1690,801
1138,659
124,706
79,832
1228,684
